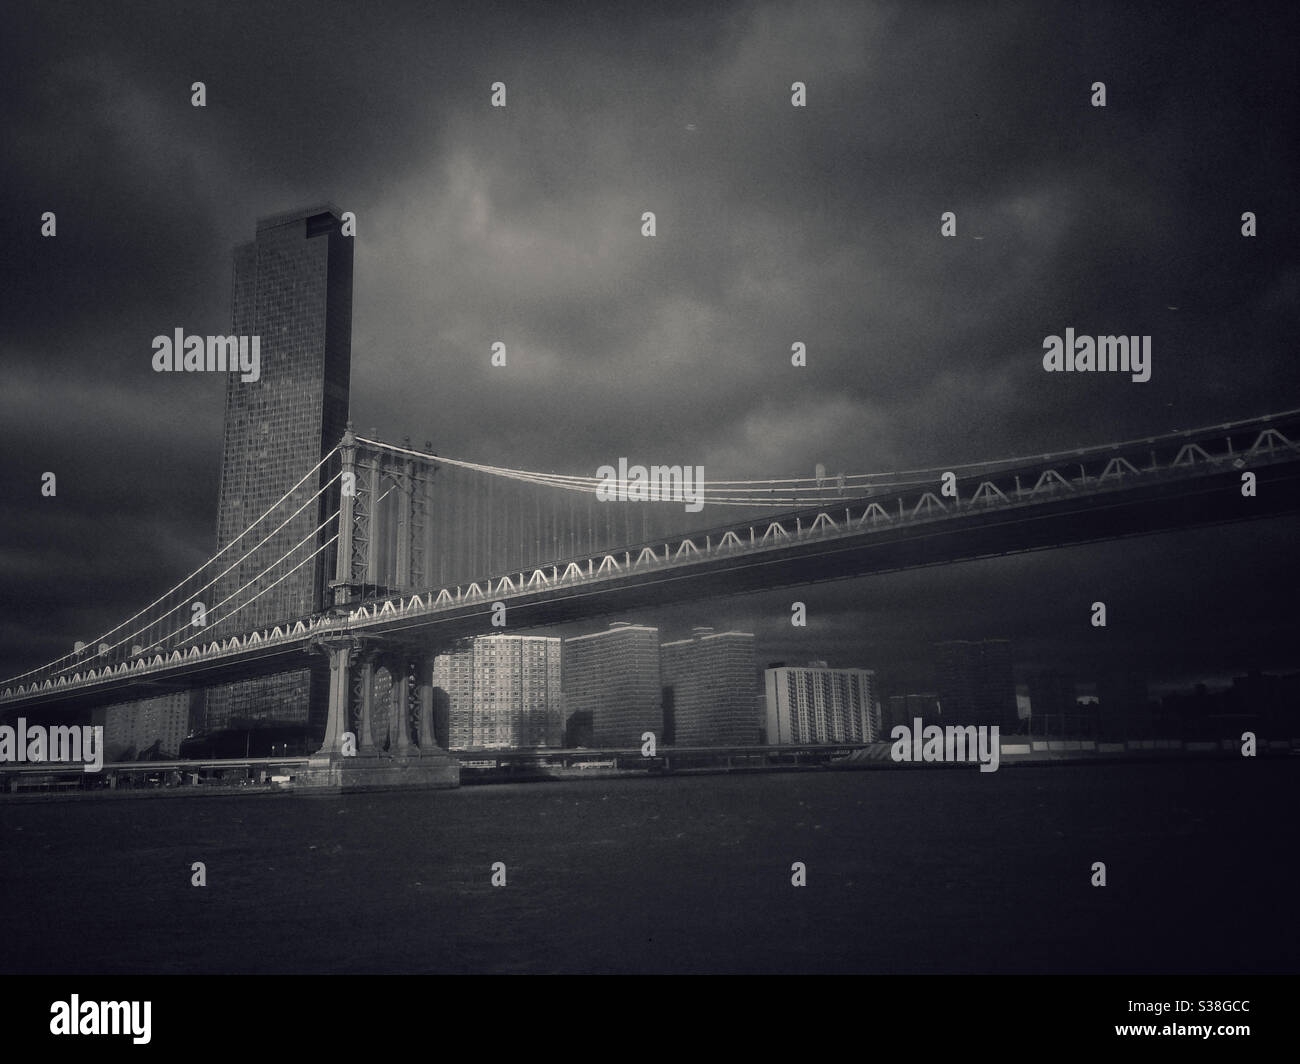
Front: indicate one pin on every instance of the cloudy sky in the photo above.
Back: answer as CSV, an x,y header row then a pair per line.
x,y
775,224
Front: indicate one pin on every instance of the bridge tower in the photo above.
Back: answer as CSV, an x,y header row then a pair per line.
x,y
379,728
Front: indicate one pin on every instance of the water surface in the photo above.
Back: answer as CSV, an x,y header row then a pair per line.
x,y
924,870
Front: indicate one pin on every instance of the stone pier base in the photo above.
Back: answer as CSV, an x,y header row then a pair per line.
x,y
342,775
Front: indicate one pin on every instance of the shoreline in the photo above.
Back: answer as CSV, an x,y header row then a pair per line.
x,y
866,759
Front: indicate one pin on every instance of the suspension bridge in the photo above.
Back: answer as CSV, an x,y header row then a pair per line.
x,y
405,550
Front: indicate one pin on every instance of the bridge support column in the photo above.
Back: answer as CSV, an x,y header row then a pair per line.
x,y
336,722
341,585
366,739
401,745
372,576
428,740
405,497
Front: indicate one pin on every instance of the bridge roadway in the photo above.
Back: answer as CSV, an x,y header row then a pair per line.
x,y
1179,481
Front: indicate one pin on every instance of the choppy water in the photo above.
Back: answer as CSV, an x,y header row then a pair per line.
x,y
907,871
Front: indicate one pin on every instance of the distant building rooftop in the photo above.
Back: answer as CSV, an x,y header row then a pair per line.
x,y
271,221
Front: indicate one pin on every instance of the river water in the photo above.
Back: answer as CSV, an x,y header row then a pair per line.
x,y
921,870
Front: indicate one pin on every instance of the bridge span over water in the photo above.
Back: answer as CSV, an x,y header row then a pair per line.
x,y
385,531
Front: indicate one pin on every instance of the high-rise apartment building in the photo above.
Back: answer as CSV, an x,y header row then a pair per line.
x,y
501,692
710,678
159,723
614,676
977,683
292,289
817,704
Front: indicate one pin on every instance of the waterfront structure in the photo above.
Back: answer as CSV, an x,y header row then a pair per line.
x,y
977,683
817,704
614,676
501,692
709,679
292,287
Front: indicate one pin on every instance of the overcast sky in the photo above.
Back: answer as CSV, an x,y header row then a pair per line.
x,y
775,224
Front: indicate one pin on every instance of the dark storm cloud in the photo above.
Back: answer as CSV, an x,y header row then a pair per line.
x,y
522,225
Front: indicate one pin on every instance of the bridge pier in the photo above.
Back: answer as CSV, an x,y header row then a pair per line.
x,y
333,769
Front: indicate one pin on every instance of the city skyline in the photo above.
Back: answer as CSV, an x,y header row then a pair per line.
x,y
503,692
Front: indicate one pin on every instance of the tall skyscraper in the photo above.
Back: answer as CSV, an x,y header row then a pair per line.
x,y
977,683
293,290
711,677
501,691
614,676
816,704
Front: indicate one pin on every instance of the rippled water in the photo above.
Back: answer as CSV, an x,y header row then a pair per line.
x,y
907,871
